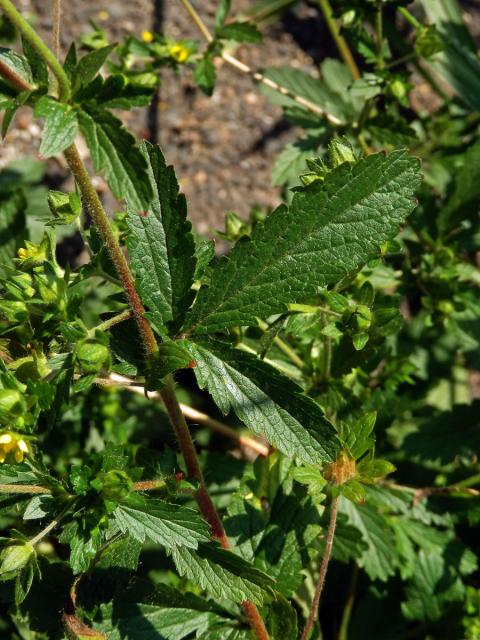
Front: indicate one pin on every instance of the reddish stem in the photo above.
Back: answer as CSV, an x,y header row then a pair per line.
x,y
323,570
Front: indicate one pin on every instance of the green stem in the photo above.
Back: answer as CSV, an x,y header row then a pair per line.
x,y
408,57
309,308
340,41
283,346
347,610
111,322
40,47
468,482
323,570
409,17
379,36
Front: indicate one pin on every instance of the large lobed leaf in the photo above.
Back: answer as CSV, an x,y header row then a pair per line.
x,y
330,229
267,402
160,245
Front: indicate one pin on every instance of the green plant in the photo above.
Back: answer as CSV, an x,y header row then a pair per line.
x,y
341,330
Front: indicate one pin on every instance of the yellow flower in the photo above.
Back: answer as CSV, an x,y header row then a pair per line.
x,y
179,52
147,36
33,252
13,444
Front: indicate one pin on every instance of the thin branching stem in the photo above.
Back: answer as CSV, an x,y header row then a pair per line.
x,y
111,322
323,570
340,41
50,527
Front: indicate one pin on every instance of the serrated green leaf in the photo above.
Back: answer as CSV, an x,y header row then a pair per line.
x,y
282,620
115,155
88,66
149,622
39,507
223,574
447,435
38,68
160,244
436,582
18,63
161,522
13,230
221,15
267,402
60,127
144,613
331,92
114,92
458,63
464,198
239,32
292,161
205,74
380,558
170,357
358,435
331,228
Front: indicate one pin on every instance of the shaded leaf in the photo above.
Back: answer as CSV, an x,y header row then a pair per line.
x,y
223,574
267,402
161,522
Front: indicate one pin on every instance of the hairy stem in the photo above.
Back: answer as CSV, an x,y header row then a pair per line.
x,y
257,75
111,322
56,21
202,496
24,488
100,219
40,47
340,41
323,570
379,36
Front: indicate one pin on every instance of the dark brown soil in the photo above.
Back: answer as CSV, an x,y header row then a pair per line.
x,y
223,147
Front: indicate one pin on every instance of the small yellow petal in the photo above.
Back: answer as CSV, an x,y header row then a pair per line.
x,y
2,457
6,438
18,456
103,15
22,254
23,446
147,36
